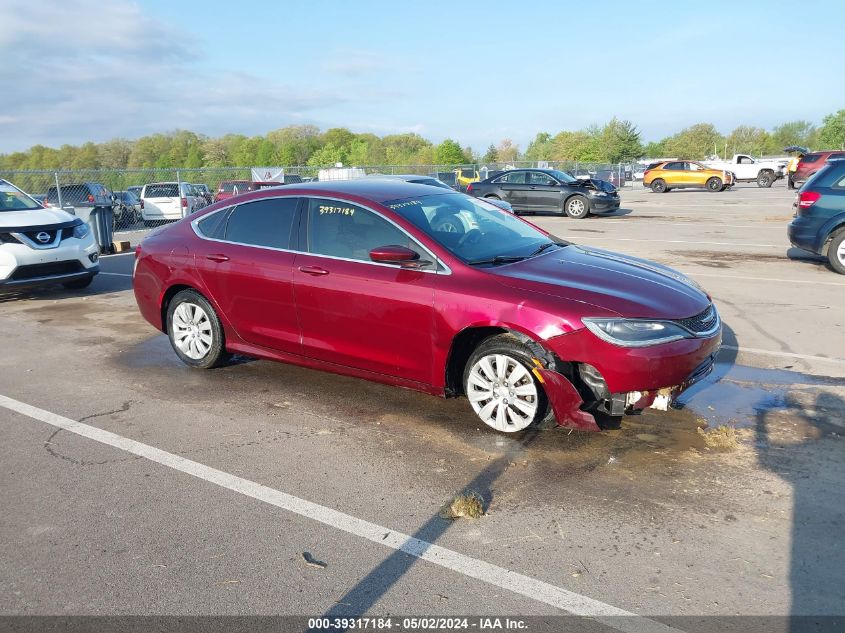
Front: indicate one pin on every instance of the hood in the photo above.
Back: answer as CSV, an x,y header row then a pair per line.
x,y
34,217
631,287
595,183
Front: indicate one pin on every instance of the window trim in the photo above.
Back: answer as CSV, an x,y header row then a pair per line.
x,y
441,267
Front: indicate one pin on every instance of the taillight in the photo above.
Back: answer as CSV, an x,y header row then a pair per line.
x,y
807,199
142,204
184,203
90,198
469,188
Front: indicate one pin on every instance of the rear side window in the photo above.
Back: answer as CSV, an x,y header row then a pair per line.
x,y
167,190
263,222
513,178
214,224
810,158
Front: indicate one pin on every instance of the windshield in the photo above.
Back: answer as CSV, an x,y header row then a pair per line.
x,y
13,199
563,177
473,230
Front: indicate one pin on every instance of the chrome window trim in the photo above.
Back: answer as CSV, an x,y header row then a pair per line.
x,y
446,270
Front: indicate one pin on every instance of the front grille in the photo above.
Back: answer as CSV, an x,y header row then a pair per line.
x,y
52,269
32,236
700,323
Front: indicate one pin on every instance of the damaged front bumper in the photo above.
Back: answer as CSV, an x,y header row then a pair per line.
x,y
571,411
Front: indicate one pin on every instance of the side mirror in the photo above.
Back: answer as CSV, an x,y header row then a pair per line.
x,y
401,255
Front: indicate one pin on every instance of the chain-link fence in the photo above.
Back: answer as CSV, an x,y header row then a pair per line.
x,y
142,198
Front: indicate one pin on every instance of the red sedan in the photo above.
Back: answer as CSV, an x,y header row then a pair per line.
x,y
415,286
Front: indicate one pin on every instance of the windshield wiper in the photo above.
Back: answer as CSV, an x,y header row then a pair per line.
x,y
548,245
498,259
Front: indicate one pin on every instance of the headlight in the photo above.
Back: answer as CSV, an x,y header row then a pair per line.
x,y
81,230
635,333
599,193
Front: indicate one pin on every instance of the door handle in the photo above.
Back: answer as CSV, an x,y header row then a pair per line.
x,y
532,188
218,257
313,270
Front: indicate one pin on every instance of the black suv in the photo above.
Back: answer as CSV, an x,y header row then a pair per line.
x,y
548,190
87,194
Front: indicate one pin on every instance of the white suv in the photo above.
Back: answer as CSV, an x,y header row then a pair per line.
x,y
41,246
167,201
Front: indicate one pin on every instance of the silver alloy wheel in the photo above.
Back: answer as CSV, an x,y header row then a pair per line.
x,y
576,207
502,393
191,330
840,252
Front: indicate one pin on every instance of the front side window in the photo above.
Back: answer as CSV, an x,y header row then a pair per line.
x,y
342,229
744,160
473,230
266,222
539,178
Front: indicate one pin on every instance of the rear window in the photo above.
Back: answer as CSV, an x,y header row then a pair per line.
x,y
166,190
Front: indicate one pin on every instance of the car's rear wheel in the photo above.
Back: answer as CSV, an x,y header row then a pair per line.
x,y
448,223
501,386
658,185
577,207
79,284
195,331
714,184
836,253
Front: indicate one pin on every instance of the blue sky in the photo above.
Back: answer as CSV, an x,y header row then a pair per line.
x,y
476,72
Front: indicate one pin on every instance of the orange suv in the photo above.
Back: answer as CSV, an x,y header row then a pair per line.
x,y
684,174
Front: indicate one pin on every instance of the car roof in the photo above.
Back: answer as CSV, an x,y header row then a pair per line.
x,y
374,189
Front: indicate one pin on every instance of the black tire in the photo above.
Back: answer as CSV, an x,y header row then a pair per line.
x,y
216,354
765,179
509,346
448,223
836,252
658,185
714,184
79,284
577,207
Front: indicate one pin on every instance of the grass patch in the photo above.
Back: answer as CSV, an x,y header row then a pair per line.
x,y
467,504
723,438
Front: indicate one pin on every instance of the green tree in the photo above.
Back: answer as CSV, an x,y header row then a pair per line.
x,y
694,142
832,131
328,155
792,133
579,146
449,152
214,153
620,141
655,149
540,148
746,139
491,155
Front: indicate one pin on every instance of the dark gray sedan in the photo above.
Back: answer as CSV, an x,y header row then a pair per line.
x,y
548,190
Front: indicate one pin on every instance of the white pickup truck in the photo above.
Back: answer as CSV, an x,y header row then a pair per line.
x,y
749,169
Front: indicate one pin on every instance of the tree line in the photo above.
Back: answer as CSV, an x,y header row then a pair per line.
x,y
614,142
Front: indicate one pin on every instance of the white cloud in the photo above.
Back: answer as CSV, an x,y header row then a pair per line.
x,y
84,70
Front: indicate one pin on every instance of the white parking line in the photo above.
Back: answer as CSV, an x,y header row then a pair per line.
x,y
115,274
118,254
768,352
695,273
455,561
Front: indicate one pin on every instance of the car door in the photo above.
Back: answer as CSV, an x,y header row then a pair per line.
x,y
543,192
673,173
513,188
355,312
245,261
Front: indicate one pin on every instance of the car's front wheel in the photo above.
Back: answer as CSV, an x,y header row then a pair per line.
x,y
836,253
577,207
501,386
195,331
714,184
